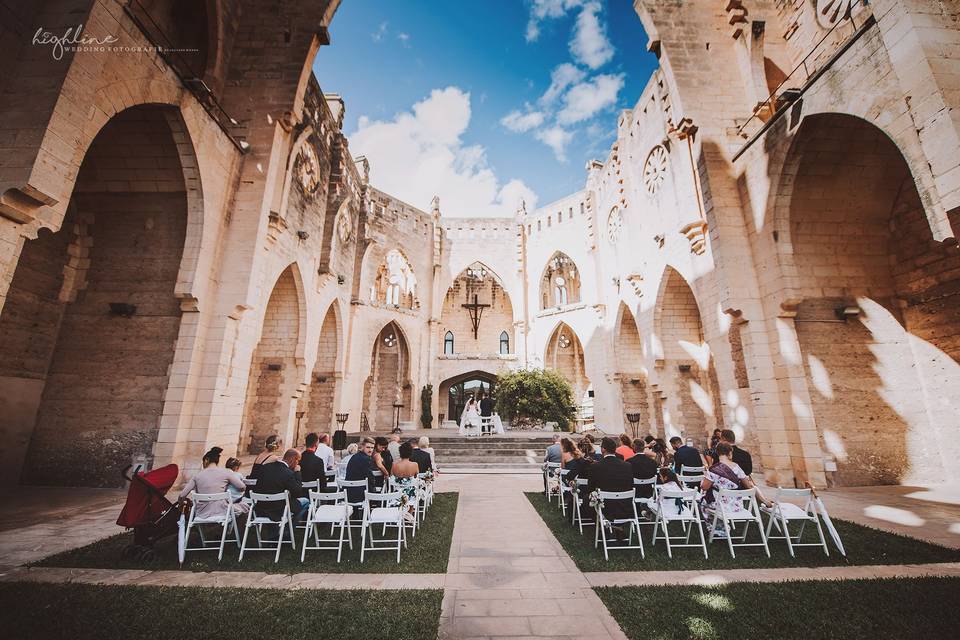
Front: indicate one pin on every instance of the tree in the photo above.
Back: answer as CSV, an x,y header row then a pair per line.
x,y
426,402
535,396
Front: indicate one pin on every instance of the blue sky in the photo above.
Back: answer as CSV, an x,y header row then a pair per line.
x,y
483,103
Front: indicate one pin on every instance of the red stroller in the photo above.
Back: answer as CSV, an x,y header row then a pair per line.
x,y
147,510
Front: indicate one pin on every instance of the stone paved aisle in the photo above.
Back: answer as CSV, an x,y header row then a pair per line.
x,y
508,576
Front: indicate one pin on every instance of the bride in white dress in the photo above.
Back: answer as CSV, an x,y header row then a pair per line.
x,y
470,418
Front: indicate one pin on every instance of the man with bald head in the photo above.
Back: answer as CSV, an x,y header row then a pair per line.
x,y
278,477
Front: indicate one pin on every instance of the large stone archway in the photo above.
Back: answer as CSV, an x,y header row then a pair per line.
x,y
634,384
317,405
275,368
877,306
90,326
456,391
389,381
564,354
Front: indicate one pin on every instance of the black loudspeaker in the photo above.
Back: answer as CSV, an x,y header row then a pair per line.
x,y
339,440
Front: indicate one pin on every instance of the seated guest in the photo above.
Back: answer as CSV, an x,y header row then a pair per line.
x,y
312,466
660,453
379,449
280,476
360,467
386,456
352,448
625,451
424,443
740,456
404,471
643,468
213,479
575,463
648,440
394,447
684,454
421,457
589,448
233,465
667,481
553,454
567,449
269,454
715,438
724,473
324,452
612,474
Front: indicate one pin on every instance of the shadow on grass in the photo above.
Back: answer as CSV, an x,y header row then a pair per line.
x,y
90,611
888,608
427,553
863,545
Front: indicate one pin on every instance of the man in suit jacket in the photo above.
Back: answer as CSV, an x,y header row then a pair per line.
x,y
421,457
644,467
684,454
612,474
486,406
740,456
312,466
360,467
277,477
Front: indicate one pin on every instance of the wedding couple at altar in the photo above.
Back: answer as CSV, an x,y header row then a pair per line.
x,y
478,417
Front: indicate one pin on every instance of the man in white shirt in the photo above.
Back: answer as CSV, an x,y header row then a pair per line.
x,y
324,452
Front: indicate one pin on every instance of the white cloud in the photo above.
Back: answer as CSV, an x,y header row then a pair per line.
x,y
404,39
540,10
561,77
381,31
557,138
589,44
520,122
420,153
586,99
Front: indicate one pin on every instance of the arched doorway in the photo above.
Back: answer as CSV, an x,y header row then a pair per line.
x,y
389,380
458,390
89,329
564,354
319,410
633,376
879,319
274,368
688,377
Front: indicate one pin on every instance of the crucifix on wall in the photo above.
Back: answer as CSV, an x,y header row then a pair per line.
x,y
476,311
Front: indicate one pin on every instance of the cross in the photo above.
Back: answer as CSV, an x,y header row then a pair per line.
x,y
476,311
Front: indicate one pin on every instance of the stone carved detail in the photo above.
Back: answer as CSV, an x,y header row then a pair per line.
x,y
696,233
655,169
344,227
636,281
308,169
614,225
830,12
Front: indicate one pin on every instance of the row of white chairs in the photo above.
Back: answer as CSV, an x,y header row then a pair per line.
x,y
332,507
672,506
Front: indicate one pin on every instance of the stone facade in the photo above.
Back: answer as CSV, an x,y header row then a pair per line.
x,y
190,255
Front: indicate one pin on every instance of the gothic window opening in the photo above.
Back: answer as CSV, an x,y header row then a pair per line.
x,y
504,343
448,344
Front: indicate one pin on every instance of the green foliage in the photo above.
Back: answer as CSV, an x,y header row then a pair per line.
x,y
535,396
426,400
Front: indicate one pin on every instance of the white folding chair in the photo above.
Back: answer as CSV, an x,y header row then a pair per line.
x,y
728,518
226,521
427,492
690,480
486,425
648,503
682,506
341,471
331,480
549,473
784,512
336,515
603,523
388,516
307,486
257,522
581,498
356,507
416,504
565,490
686,470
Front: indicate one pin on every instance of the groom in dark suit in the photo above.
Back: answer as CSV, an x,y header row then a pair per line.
x,y
612,474
486,406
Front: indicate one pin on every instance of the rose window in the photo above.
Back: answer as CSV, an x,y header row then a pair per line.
x,y
655,169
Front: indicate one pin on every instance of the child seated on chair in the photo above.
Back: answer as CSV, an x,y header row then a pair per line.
x,y
724,473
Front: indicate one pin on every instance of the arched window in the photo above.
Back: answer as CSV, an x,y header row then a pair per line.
x,y
504,343
448,344
561,291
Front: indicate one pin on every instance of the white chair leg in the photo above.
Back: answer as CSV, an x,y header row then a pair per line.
x,y
786,534
363,540
246,532
223,540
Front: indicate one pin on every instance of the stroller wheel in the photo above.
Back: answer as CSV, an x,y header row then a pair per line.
x,y
147,555
130,551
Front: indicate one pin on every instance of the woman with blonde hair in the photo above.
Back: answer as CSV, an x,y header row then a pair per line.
x,y
424,444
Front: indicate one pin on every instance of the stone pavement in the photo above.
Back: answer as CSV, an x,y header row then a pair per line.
x,y
508,576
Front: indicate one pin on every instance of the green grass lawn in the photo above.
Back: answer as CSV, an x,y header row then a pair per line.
x,y
920,608
863,545
78,611
427,553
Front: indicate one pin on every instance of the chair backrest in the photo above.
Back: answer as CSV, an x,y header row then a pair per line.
x,y
209,498
692,478
250,482
553,465
377,473
748,496
322,496
643,482
692,471
268,497
315,484
796,495
381,497
353,484
617,495
342,468
687,495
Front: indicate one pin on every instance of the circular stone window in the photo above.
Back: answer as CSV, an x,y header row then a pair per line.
x,y
655,169
308,169
563,341
614,225
390,339
830,12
